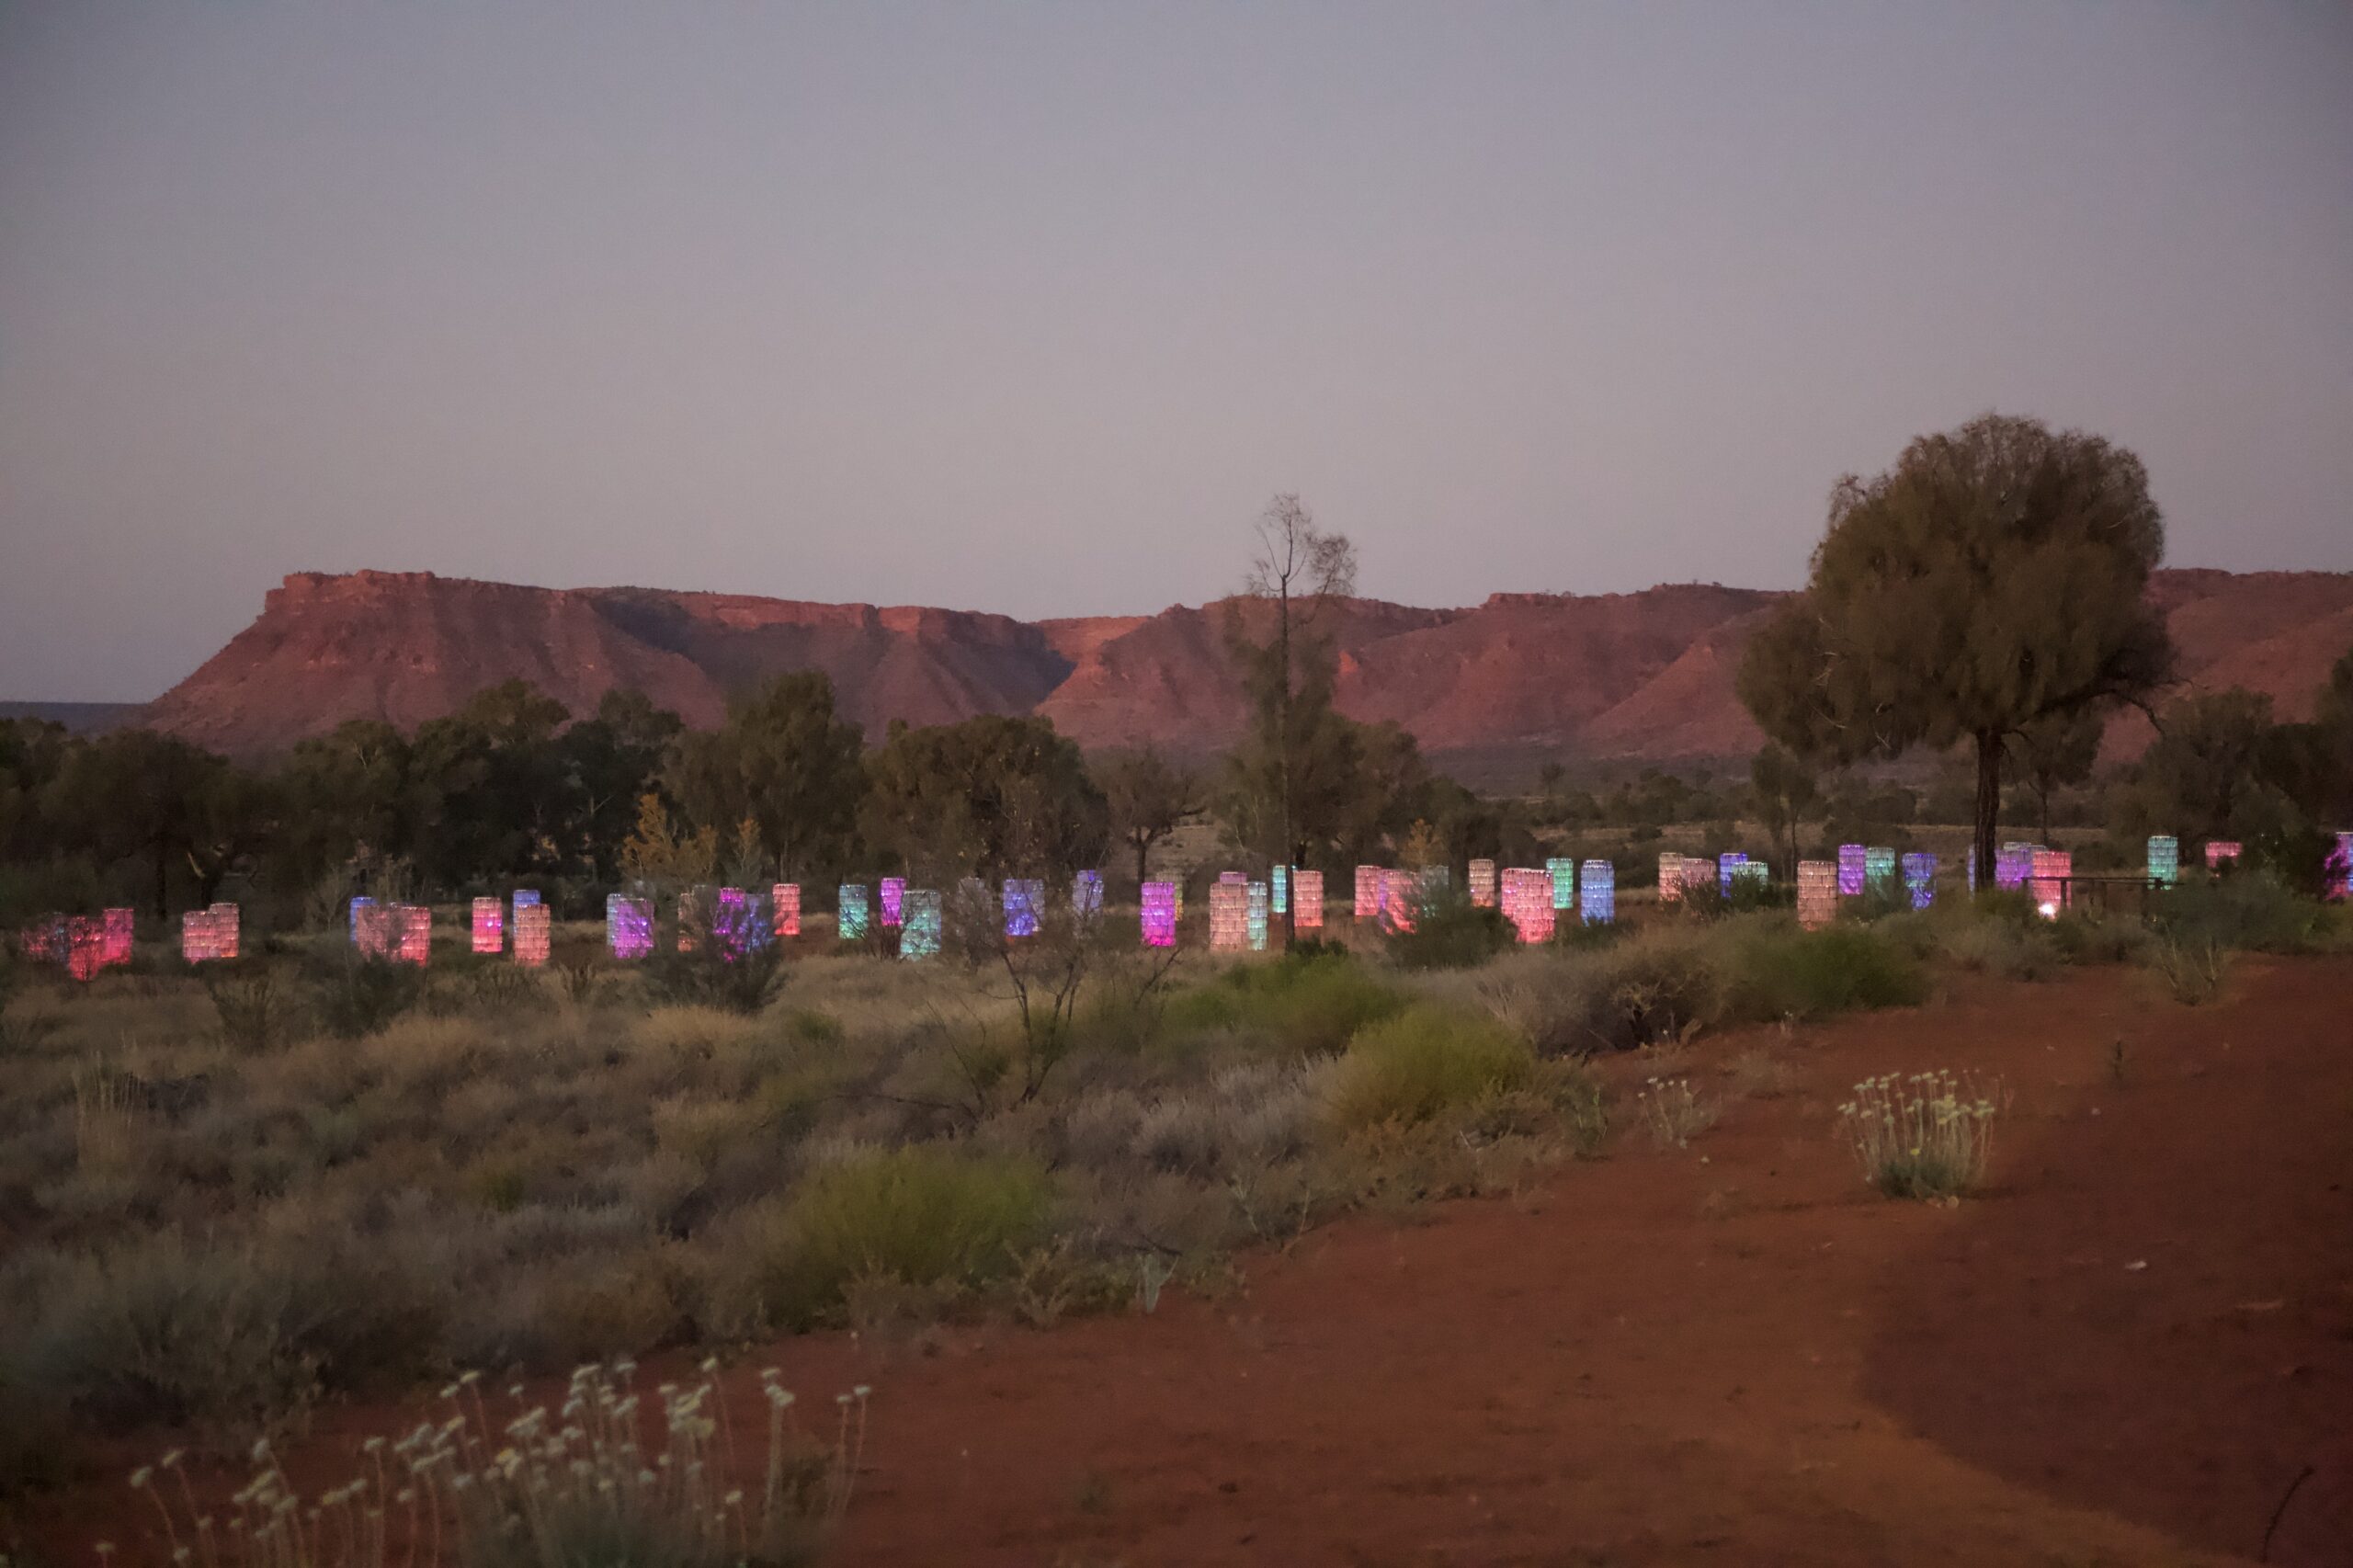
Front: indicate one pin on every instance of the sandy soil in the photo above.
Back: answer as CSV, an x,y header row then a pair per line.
x,y
2126,1352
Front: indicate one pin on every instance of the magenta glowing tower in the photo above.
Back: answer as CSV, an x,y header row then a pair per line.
x,y
1159,917
629,925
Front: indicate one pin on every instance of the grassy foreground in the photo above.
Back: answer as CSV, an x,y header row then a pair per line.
x,y
223,1207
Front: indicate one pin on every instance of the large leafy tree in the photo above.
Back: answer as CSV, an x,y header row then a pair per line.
x,y
783,761
33,752
504,795
990,797
1994,578
2211,772
613,759
136,792
350,789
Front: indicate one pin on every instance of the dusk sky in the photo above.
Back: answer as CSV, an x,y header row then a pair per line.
x,y
1030,307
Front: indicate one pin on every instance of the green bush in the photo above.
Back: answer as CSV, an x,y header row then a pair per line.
x,y
2251,911
2085,936
1658,986
1311,1003
1422,1064
1452,933
918,1216
1779,971
1984,939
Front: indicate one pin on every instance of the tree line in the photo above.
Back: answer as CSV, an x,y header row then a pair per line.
x,y
514,788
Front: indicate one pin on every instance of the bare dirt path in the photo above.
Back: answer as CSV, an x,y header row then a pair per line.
x,y
2124,1353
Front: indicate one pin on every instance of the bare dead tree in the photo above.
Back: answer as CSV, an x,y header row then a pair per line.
x,y
1298,569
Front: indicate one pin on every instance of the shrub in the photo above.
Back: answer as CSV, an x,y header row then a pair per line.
x,y
1451,933
919,1216
358,995
715,976
1577,1098
1984,941
1780,971
254,1013
1422,1064
1926,1135
2085,936
497,986
2252,910
2194,972
1656,986
233,1339
1312,1004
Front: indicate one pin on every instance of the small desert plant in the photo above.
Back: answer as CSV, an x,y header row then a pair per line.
x,y
1310,1003
1924,1135
2194,971
358,993
920,1216
2085,936
2255,911
232,1339
579,980
1421,1064
1780,972
1673,1111
1450,932
591,1485
1576,1094
495,987
714,975
1984,939
110,1114
583,1487
22,1027
254,1013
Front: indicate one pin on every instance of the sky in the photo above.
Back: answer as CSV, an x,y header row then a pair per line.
x,y
1030,307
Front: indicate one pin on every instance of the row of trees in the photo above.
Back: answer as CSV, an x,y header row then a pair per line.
x,y
513,787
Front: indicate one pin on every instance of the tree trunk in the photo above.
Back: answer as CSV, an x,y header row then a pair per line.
x,y
163,885
1143,863
1989,806
1282,728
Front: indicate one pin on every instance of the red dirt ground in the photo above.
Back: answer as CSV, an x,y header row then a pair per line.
x,y
2125,1352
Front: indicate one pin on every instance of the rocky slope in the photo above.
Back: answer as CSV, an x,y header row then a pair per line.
x,y
1524,677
